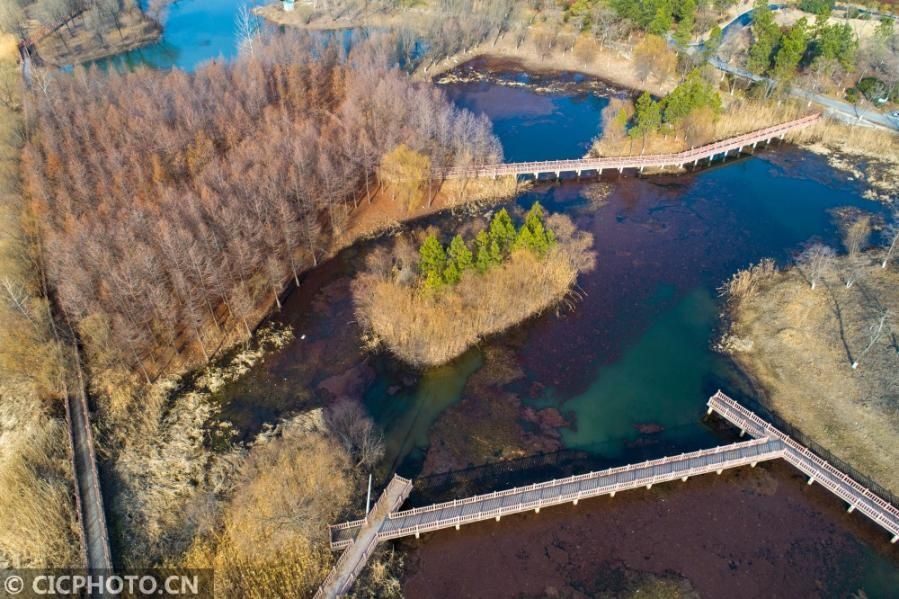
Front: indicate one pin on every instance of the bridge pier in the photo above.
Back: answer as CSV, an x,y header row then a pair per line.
x,y
752,465
613,494
719,471
457,526
894,539
810,480
497,518
683,479
851,508
649,486
536,510
575,501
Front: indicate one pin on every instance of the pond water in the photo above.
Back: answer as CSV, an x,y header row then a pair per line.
x,y
622,376
195,31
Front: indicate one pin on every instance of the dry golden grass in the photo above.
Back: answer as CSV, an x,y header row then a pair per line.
x,y
744,284
166,469
383,214
743,115
271,539
430,328
37,523
37,516
798,345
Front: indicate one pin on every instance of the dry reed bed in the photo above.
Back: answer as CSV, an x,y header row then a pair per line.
x,y
843,144
431,328
798,345
38,527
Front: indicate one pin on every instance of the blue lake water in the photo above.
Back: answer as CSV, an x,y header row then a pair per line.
x,y
196,31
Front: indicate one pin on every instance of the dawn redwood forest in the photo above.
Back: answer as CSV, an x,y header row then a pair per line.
x,y
174,207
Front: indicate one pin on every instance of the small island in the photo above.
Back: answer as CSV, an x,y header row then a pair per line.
x,y
429,306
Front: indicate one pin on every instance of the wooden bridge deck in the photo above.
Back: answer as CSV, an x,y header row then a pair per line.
x,y
597,165
816,468
358,538
565,490
364,540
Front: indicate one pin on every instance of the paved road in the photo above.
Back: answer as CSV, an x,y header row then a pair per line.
x,y
844,111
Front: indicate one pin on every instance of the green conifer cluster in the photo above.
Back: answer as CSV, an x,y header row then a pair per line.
x,y
441,266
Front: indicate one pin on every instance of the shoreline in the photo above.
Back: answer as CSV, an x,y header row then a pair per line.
x,y
65,48
786,340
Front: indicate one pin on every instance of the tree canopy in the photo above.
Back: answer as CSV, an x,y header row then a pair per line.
x,y
439,266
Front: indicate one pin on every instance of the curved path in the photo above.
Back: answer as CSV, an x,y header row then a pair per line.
x,y
845,111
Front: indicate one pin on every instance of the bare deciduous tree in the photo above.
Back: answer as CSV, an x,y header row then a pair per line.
x,y
854,238
891,239
356,431
879,327
816,261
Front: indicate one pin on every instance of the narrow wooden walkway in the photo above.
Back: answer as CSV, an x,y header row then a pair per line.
x,y
856,496
493,506
358,538
598,165
359,547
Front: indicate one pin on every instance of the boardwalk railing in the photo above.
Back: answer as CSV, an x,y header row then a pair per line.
x,y
570,489
620,163
383,523
815,467
359,547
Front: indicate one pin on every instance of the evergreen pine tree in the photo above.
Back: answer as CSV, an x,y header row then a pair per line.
x,y
483,260
502,231
432,261
459,254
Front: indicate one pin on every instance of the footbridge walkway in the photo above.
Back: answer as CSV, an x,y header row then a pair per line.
x,y
358,538
598,165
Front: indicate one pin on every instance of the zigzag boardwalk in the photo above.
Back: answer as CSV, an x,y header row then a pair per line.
x,y
619,163
383,523
818,470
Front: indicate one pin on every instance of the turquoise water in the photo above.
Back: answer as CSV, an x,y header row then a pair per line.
x,y
196,31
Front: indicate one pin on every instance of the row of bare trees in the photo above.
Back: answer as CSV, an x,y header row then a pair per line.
x,y
818,261
173,207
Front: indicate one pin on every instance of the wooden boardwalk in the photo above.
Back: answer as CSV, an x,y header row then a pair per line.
x,y
493,506
856,496
358,538
359,548
597,165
